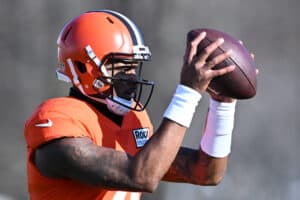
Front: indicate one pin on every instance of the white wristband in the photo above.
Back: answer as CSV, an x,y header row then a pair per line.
x,y
216,139
182,107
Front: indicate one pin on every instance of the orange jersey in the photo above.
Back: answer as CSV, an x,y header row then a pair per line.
x,y
70,117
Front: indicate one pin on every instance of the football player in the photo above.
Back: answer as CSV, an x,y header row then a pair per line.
x,y
98,142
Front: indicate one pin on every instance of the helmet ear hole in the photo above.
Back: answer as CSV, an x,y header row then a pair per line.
x,y
81,67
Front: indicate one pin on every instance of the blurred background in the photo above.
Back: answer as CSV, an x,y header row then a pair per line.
x,y
264,163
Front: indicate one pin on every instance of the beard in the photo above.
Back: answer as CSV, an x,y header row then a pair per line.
x,y
125,85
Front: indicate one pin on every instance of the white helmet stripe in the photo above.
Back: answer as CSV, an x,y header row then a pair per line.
x,y
136,35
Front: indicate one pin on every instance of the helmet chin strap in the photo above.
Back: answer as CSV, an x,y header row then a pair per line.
x,y
117,108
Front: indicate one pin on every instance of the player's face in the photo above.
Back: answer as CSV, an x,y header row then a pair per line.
x,y
124,79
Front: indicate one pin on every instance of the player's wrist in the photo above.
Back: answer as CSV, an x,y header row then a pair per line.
x,y
183,105
223,105
217,136
223,99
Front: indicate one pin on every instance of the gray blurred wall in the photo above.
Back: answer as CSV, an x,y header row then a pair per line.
x,y
264,163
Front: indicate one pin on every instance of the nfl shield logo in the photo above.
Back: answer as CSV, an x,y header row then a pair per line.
x,y
141,136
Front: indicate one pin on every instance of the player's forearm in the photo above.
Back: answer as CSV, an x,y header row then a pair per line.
x,y
209,170
208,166
196,167
153,161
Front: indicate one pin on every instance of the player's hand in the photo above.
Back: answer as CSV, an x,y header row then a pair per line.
x,y
219,97
197,72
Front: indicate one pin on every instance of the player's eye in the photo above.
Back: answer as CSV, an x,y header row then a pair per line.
x,y
125,69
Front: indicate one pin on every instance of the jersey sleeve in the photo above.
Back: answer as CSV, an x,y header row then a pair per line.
x,y
47,125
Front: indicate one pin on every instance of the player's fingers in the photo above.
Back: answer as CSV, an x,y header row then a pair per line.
x,y
252,56
218,59
209,49
222,71
257,71
191,49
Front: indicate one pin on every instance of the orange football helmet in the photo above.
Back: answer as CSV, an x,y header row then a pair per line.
x,y
89,42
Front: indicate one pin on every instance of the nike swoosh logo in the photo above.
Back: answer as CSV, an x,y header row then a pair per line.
x,y
49,123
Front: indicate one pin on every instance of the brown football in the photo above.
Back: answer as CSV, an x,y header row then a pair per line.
x,y
240,83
